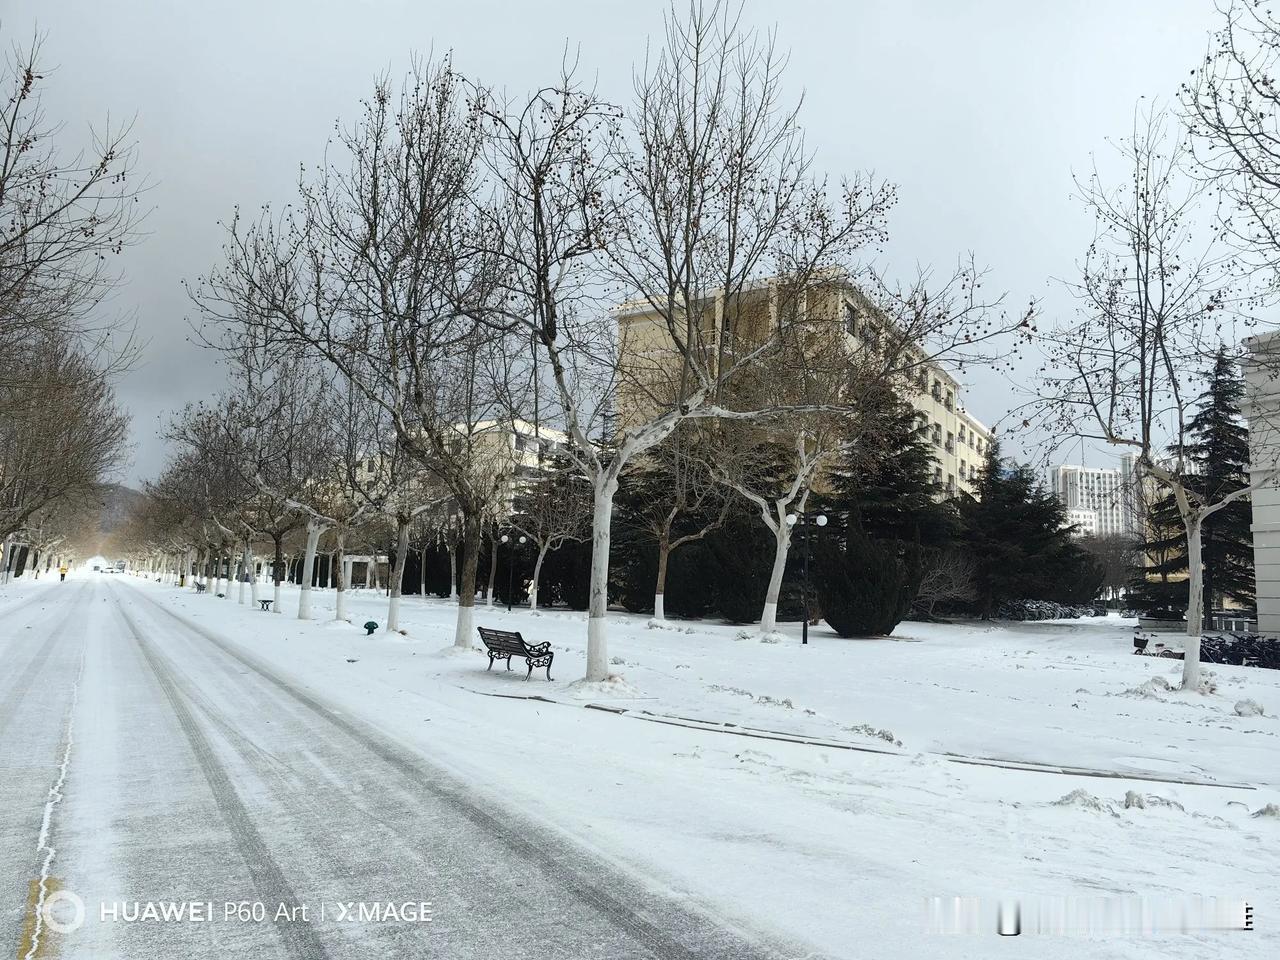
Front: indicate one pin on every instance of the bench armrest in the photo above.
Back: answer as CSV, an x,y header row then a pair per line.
x,y
539,648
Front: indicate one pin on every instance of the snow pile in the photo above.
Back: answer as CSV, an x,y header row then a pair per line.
x,y
869,731
1208,683
1133,800
1151,690
775,701
736,691
453,650
1138,801
1270,811
612,687
655,624
1248,708
1085,800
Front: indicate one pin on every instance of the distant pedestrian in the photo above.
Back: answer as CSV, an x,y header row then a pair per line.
x,y
62,573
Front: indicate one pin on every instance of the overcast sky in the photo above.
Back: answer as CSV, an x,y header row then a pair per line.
x,y
980,111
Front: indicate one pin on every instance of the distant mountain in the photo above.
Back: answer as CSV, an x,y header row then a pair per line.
x,y
117,500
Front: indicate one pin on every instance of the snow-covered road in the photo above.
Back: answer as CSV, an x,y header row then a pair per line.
x,y
196,773
163,747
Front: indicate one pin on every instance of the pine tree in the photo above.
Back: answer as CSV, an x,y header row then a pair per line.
x,y
885,486
864,589
1017,532
1217,452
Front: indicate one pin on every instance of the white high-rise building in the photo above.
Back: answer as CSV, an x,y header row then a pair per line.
x,y
1108,493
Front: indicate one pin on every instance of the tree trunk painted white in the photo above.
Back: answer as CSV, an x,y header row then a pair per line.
x,y
242,574
314,529
253,572
217,574
465,626
341,568
493,572
782,545
537,572
422,573
660,589
397,575
604,487
1195,603
453,575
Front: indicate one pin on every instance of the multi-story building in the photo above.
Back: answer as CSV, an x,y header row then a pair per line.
x,y
508,452
1262,409
1100,501
960,440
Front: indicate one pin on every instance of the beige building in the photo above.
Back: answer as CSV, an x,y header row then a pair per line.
x,y
509,452
647,382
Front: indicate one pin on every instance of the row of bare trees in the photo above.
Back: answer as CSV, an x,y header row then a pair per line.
x,y
63,219
458,259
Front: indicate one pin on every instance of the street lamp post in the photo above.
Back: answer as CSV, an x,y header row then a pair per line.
x,y
803,521
511,567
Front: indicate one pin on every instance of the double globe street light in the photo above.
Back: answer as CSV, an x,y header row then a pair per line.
x,y
511,566
803,521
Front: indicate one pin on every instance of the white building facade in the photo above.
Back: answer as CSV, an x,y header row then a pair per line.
x,y
1099,500
1262,409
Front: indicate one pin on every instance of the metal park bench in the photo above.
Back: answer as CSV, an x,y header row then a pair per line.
x,y
265,604
504,644
200,588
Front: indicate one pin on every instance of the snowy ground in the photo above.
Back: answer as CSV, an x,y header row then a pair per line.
x,y
805,798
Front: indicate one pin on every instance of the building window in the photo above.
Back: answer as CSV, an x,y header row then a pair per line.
x,y
951,442
937,434
851,318
951,399
520,442
936,392
937,474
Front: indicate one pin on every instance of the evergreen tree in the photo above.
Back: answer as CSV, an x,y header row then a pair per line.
x,y
864,589
1217,452
1018,535
886,486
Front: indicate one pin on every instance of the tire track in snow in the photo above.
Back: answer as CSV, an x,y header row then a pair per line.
x,y
13,698
300,939
669,930
45,850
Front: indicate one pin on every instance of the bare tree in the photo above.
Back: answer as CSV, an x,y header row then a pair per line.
x,y
1117,555
553,509
367,279
679,499
696,194
63,217
1231,105
1158,292
58,439
946,576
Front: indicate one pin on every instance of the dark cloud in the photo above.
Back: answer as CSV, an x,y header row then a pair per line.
x,y
979,111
